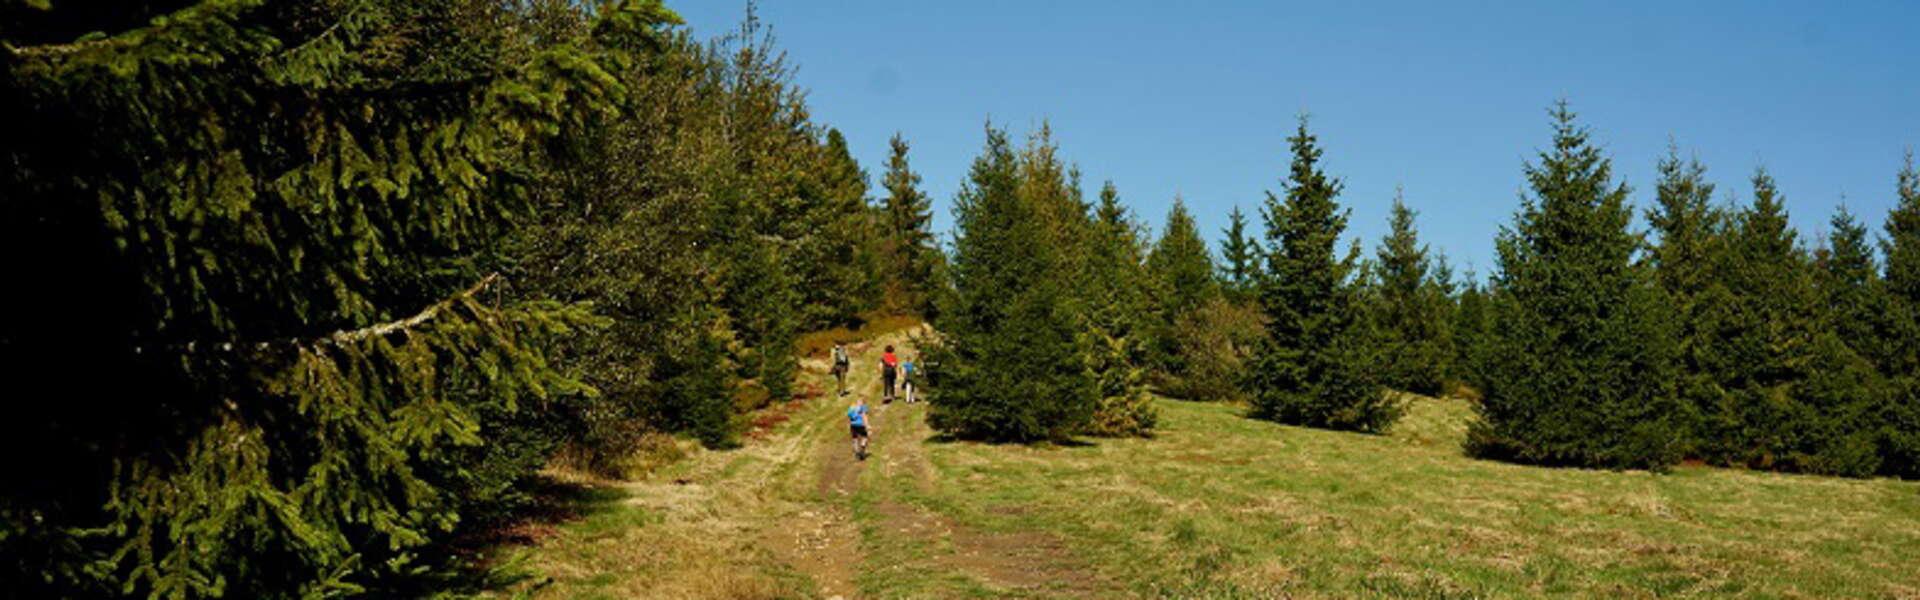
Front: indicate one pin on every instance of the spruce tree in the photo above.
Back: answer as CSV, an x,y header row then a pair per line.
x,y
912,256
1117,321
283,210
1240,256
838,275
1899,343
1577,366
1849,279
1012,363
1469,326
1181,274
1315,367
1180,264
1409,308
1775,364
1690,239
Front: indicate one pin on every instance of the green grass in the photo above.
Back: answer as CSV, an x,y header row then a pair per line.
x,y
1222,506
1215,506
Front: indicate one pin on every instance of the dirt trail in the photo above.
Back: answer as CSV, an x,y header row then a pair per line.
x,y
823,541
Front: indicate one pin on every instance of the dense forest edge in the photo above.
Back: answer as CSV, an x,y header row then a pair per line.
x,y
309,294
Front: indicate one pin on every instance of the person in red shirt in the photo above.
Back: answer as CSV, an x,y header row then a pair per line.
x,y
889,372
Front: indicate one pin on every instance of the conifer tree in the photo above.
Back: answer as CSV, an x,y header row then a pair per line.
x,y
839,274
283,209
1240,256
1849,279
1181,275
1180,264
1774,363
1012,363
1469,326
1900,341
1410,310
1577,365
1117,321
912,255
1690,231
611,227
1315,367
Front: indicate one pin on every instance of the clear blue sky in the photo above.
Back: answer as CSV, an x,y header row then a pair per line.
x,y
1446,98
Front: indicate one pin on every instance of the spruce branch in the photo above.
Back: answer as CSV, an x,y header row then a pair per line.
x,y
344,337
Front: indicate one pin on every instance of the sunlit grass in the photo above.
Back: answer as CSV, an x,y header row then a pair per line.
x,y
1221,505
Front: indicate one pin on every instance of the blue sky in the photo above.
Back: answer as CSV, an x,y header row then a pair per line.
x,y
1446,99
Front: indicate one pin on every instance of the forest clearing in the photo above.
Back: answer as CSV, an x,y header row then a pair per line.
x,y
1214,506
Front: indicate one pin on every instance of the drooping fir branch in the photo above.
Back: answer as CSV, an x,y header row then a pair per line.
x,y
355,335
175,26
346,337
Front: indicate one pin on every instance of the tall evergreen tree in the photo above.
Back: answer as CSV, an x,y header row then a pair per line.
x,y
835,254
1900,340
1690,239
1772,359
1577,366
1180,264
1240,256
1181,275
1315,368
1117,321
1849,281
282,209
1410,309
1469,326
912,256
1012,366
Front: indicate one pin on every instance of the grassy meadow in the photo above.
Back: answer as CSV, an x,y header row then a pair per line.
x,y
1215,506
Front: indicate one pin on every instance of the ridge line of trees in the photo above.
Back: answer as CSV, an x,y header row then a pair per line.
x,y
1718,334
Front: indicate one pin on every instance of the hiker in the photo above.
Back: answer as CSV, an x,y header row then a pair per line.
x,y
857,420
840,365
889,371
906,379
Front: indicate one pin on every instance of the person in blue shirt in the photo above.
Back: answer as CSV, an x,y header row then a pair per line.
x,y
857,419
906,379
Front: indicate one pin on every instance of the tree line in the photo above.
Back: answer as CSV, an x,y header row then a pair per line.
x,y
1716,334
300,293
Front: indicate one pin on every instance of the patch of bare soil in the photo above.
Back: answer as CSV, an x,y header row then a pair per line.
x,y
824,544
1022,561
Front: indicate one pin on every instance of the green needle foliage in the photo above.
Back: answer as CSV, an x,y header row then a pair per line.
x,y
1790,394
1411,308
1240,255
1899,348
1691,238
1577,368
911,256
1470,327
289,213
1316,366
1117,320
1012,367
1181,274
279,209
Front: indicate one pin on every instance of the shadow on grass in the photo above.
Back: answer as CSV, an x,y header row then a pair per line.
x,y
481,556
